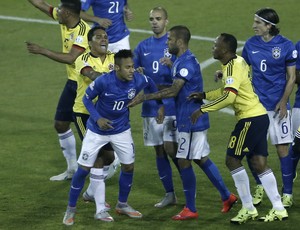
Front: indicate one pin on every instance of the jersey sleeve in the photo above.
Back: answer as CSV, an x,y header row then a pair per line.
x,y
136,57
298,58
245,54
291,56
85,5
91,93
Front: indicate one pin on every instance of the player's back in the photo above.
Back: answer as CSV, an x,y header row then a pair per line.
x,y
112,10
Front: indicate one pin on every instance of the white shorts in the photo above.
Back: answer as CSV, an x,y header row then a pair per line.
x,y
123,44
193,146
122,144
156,134
280,132
295,120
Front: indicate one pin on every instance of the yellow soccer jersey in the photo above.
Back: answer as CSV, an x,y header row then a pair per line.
x,y
83,82
73,36
236,79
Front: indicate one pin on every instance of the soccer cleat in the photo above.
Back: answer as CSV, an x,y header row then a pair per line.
x,y
287,200
67,175
87,198
69,216
186,214
258,195
125,209
227,204
169,199
244,215
104,216
274,215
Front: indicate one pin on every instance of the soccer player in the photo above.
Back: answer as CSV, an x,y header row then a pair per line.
x,y
110,15
273,58
249,136
192,145
294,149
89,66
151,56
74,39
109,123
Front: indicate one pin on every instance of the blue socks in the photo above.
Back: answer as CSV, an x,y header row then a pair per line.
x,y
165,173
287,174
189,187
125,182
77,185
213,174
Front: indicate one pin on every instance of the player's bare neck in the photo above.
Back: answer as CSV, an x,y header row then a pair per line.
x,y
267,38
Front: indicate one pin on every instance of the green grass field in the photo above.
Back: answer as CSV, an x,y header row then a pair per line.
x,y
30,153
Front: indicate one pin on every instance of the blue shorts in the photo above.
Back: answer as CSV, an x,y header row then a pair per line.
x,y
64,110
249,137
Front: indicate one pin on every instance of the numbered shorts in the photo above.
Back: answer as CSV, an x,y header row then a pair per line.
x,y
193,145
249,137
280,131
156,134
122,144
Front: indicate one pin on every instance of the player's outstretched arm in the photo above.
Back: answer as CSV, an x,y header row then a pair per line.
x,y
103,22
42,6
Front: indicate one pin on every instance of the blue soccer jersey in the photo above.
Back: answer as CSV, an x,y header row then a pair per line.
x,y
147,55
297,98
187,67
269,61
113,97
112,10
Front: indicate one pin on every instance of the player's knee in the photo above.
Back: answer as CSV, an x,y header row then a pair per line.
x,y
61,126
127,168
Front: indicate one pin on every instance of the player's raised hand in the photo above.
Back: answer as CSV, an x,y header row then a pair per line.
x,y
195,115
33,48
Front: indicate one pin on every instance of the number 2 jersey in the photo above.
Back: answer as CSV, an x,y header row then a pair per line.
x,y
269,61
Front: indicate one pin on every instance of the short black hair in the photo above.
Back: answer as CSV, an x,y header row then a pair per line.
x,y
181,32
73,5
122,54
91,32
230,41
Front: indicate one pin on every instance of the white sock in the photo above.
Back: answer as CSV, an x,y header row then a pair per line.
x,y
97,179
269,183
68,145
241,181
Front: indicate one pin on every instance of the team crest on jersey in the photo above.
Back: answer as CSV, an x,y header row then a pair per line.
x,y
276,52
131,93
111,66
166,53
